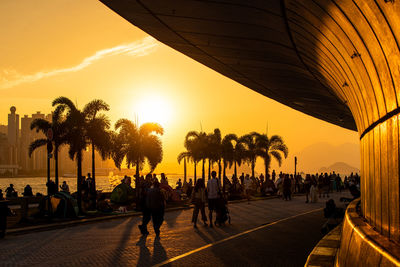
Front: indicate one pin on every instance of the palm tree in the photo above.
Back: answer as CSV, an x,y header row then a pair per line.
x,y
57,125
214,150
97,131
252,149
137,144
239,152
76,138
227,153
185,156
196,144
270,148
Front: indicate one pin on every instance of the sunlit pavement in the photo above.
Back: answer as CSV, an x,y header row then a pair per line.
x,y
289,231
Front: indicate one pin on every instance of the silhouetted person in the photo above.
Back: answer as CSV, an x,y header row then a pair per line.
x,y
52,187
64,187
307,186
28,191
179,184
212,191
199,200
146,213
189,188
10,191
287,188
338,183
1,195
247,187
241,178
156,204
89,182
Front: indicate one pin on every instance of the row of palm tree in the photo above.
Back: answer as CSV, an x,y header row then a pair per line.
x,y
231,150
80,129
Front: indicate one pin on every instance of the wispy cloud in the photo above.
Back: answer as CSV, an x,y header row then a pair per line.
x,y
11,78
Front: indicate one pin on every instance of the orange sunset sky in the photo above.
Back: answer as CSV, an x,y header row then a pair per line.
x,y
83,50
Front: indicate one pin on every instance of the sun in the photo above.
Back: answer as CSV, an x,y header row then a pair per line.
x,y
154,108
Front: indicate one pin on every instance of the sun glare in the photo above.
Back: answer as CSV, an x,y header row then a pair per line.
x,y
154,108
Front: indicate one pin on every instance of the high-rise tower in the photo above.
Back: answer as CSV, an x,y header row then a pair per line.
x,y
13,134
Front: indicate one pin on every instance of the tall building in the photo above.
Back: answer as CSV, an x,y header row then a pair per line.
x,y
37,162
3,129
12,135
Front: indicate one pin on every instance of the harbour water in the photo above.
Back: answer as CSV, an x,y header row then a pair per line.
x,y
103,183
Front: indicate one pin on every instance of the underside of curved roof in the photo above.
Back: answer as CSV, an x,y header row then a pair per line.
x,y
293,51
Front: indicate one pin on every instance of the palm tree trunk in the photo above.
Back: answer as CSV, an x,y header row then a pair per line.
x,y
56,167
209,169
79,178
203,171
235,170
138,206
184,170
94,177
219,169
252,168
224,174
267,162
195,174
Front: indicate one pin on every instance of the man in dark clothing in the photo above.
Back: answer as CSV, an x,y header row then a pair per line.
x,y
287,188
155,205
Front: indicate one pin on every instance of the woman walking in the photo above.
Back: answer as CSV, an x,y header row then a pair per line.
x,y
199,199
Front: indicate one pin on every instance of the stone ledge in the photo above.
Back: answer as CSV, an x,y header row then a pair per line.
x,y
361,245
324,252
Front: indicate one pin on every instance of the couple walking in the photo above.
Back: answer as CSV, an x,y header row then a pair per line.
x,y
200,195
153,205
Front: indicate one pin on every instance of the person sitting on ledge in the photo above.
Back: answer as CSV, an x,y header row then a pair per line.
x,y
64,187
28,191
10,192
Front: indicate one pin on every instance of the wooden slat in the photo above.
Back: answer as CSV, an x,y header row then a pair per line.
x,y
384,178
377,189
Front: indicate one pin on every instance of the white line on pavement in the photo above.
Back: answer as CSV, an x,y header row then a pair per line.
x,y
231,237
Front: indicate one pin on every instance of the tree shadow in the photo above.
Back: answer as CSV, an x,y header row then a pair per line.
x,y
124,240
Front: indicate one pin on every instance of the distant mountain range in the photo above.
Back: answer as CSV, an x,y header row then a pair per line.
x,y
317,155
339,167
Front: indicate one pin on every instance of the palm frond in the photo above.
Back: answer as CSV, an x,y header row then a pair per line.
x,y
36,144
40,125
150,127
277,156
57,113
183,155
95,106
282,148
62,100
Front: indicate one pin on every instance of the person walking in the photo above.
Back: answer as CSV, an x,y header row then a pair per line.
x,y
199,199
146,214
287,188
307,187
247,187
212,194
155,203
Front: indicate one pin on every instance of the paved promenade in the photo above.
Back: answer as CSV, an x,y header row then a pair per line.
x,y
263,233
